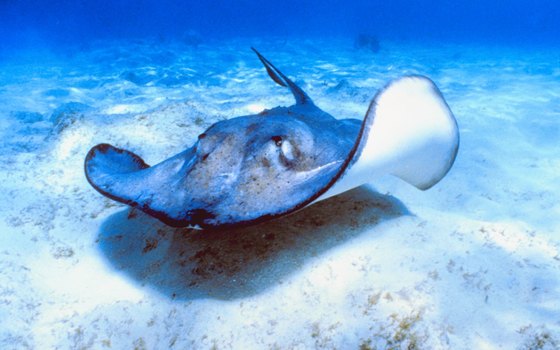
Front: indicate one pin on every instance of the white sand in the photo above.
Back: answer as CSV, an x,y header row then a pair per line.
x,y
473,263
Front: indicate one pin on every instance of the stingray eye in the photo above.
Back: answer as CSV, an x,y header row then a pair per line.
x,y
287,151
277,140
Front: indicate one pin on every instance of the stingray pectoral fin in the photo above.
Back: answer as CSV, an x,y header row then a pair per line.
x,y
409,131
413,132
123,176
110,171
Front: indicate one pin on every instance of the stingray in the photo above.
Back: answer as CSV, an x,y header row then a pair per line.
x,y
254,168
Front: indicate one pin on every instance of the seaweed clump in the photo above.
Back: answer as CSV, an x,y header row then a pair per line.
x,y
67,114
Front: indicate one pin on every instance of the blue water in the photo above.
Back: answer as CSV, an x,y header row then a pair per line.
x,y
37,22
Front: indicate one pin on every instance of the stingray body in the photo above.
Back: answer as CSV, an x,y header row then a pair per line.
x,y
253,168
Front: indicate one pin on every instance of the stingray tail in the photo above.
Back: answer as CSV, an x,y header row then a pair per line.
x,y
282,80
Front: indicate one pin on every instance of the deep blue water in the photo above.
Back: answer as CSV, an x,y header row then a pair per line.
x,y
39,22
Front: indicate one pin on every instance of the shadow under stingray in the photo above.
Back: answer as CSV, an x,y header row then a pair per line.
x,y
189,264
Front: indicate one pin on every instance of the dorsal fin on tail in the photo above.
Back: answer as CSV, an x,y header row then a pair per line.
x,y
282,80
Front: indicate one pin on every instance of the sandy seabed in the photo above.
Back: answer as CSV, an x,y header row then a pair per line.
x,y
473,263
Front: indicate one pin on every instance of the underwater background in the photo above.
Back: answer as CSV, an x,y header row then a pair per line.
x,y
472,263
516,22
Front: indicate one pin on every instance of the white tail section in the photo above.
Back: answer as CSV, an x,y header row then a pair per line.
x,y
409,131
